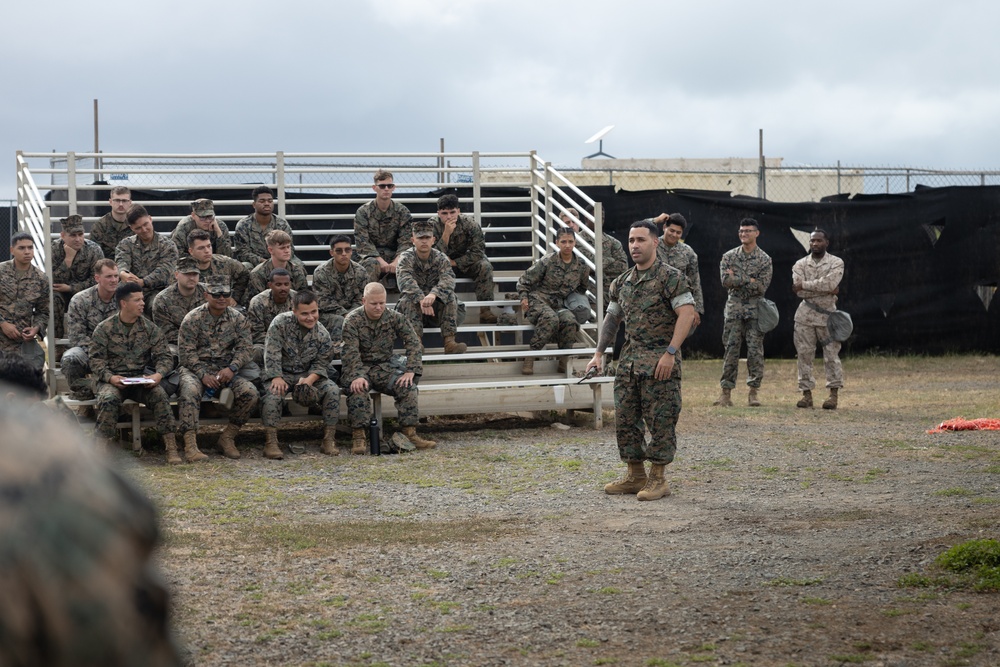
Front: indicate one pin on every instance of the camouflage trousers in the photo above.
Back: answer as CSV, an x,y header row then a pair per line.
x,y
447,314
334,323
806,339
326,394
551,325
75,367
60,303
191,390
643,401
481,275
382,378
109,406
734,332
375,275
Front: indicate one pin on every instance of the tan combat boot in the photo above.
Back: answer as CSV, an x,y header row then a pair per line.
x,y
227,442
486,315
329,445
633,481
528,367
170,441
451,347
191,452
806,401
656,486
359,444
271,448
420,443
831,403
725,399
752,399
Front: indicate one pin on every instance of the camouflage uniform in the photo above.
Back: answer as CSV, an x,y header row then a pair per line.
x,y
108,233
260,314
86,311
377,234
206,344
262,273
741,313
250,246
818,280
647,300
545,285
467,248
117,349
338,293
76,538
368,354
24,302
417,278
683,258
221,245
614,260
170,307
154,263
79,276
292,352
239,277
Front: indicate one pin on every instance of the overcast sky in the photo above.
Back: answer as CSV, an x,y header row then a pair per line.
x,y
875,83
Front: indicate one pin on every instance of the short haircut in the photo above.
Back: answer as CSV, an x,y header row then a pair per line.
x,y
819,230
21,236
261,190
447,202
120,190
340,238
15,370
382,175
103,263
303,298
591,209
135,213
277,273
123,291
646,224
571,212
565,231
374,288
198,235
749,222
277,237
675,219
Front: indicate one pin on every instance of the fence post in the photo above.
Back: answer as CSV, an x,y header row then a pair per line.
x,y
19,184
907,179
839,190
477,189
548,206
534,202
599,256
279,181
71,181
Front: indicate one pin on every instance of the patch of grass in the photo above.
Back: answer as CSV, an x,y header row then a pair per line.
x,y
462,627
977,561
848,658
506,561
661,662
922,646
587,643
346,499
438,574
606,661
608,590
785,581
954,492
368,623
573,465
555,578
895,612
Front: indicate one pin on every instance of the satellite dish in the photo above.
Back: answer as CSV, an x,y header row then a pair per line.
x,y
599,137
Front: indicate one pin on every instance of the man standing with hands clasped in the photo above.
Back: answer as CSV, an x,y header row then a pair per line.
x,y
816,280
656,305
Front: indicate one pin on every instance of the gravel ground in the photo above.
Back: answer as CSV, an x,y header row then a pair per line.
x,y
782,544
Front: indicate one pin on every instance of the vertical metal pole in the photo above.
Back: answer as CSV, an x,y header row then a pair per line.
x,y
839,191
760,175
97,145
21,180
440,162
477,194
50,331
533,222
279,181
982,179
907,179
71,181
548,207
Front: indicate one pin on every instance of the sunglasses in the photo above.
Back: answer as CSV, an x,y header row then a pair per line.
x,y
386,186
220,295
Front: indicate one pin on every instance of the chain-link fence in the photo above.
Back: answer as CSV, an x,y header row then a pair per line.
x,y
782,183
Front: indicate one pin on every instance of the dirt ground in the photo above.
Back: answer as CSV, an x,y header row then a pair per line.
x,y
783,542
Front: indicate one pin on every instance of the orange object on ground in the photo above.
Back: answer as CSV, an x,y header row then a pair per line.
x,y
963,424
